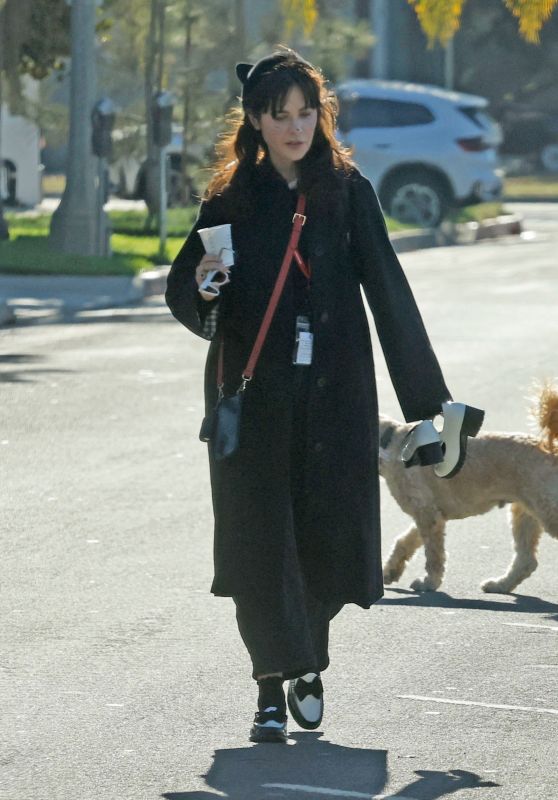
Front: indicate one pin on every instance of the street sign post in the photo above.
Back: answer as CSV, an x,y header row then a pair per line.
x,y
161,109
102,120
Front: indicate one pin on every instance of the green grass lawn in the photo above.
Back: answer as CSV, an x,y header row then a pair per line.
x,y
531,186
28,252
477,213
134,249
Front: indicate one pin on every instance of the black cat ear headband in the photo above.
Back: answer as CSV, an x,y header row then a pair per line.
x,y
250,74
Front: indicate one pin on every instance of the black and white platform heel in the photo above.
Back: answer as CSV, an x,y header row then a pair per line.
x,y
460,421
422,446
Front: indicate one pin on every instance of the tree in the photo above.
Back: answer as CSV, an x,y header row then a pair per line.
x,y
34,36
299,13
440,19
506,69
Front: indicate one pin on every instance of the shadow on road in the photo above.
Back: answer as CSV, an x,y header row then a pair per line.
x,y
26,373
431,784
259,772
314,768
524,604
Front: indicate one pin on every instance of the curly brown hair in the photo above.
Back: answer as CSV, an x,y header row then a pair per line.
x,y
242,147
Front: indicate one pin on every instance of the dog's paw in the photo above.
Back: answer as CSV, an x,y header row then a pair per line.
x,y
390,575
426,584
496,587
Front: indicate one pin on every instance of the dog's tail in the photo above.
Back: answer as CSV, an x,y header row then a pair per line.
x,y
545,414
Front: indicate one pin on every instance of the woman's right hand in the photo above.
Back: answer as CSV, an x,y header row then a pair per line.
x,y
209,263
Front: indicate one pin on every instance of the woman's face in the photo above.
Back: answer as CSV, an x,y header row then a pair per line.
x,y
289,134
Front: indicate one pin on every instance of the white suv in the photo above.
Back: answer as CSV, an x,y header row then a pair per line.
x,y
425,149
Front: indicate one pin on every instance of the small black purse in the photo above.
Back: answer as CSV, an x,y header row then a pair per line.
x,y
221,428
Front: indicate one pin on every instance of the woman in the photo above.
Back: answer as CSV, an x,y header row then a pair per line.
x,y
297,527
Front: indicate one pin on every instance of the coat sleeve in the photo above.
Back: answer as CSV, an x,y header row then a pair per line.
x,y
412,364
182,296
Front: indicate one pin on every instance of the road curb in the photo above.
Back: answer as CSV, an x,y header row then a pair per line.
x,y
469,232
452,233
154,281
35,298
40,298
7,316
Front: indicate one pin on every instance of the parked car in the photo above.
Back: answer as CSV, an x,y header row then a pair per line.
x,y
425,149
127,170
532,133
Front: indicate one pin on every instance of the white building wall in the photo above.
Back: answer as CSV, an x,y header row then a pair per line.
x,y
20,143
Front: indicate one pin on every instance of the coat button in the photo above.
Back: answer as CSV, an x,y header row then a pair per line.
x,y
321,382
318,447
324,317
319,250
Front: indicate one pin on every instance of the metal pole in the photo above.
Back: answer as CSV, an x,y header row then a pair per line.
x,y
449,64
4,232
74,225
103,222
162,201
380,26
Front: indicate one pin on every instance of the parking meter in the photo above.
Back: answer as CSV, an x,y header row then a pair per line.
x,y
161,110
102,118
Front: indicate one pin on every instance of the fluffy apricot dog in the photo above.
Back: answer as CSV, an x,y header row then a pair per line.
x,y
500,468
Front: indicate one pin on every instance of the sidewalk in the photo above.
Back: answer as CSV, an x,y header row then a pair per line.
x,y
33,298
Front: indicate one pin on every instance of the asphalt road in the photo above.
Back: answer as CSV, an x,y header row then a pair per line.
x,y
121,677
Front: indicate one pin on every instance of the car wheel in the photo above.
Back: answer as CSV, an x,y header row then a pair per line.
x,y
549,157
416,199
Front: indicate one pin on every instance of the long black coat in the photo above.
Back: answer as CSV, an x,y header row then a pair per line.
x,y
340,534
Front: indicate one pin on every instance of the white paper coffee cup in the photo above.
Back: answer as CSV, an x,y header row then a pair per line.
x,y
218,242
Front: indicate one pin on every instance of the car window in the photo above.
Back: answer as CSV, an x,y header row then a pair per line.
x,y
365,112
479,116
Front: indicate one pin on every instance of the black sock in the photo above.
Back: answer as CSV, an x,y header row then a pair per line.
x,y
271,694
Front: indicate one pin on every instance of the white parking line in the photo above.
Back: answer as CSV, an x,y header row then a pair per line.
x,y
475,703
333,792
531,625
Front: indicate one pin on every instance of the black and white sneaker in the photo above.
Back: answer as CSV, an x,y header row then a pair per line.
x,y
460,421
422,446
306,700
269,725
270,722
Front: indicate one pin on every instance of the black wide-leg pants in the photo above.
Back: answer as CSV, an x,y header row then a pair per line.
x,y
288,633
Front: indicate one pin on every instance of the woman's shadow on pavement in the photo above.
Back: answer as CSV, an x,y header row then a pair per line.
x,y
312,769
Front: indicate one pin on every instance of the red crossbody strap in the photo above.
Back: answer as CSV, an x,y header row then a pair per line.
x,y
302,265
298,221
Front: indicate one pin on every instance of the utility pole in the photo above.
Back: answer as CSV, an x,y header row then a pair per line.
x,y
237,51
449,63
4,232
381,28
363,13
74,225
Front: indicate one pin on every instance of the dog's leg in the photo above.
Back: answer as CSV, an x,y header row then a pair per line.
x,y
404,548
526,534
432,533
